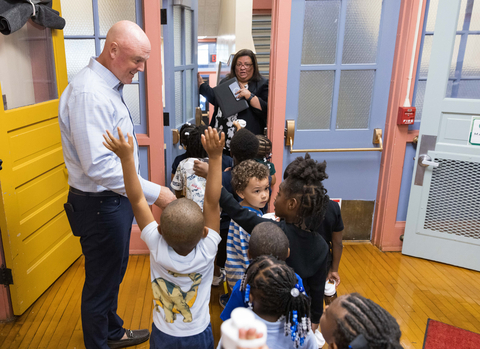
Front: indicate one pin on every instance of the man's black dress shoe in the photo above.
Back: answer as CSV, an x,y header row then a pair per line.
x,y
133,338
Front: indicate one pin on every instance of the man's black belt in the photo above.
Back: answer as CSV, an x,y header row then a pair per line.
x,y
98,194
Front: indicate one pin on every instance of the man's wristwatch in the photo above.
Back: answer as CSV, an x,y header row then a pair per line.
x,y
251,96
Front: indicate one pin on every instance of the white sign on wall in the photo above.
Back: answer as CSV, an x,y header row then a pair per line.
x,y
475,131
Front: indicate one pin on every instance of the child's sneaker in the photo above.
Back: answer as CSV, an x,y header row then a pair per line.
x,y
319,338
218,280
223,299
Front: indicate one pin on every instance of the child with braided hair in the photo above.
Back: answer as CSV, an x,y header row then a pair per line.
x,y
272,292
185,182
301,205
353,321
184,134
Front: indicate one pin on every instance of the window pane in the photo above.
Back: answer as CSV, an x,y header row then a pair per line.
x,y
112,11
426,52
27,67
315,99
432,15
78,53
177,35
189,94
469,89
188,36
471,63
475,20
320,32
419,99
131,96
178,98
78,16
361,31
355,99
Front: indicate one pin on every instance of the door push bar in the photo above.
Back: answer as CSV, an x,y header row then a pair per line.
x,y
290,137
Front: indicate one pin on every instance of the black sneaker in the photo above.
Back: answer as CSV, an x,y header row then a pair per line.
x,y
133,338
223,300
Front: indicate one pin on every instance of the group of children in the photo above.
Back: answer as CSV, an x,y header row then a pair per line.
x,y
277,268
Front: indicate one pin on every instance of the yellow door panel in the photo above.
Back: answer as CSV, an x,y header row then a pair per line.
x,y
32,114
37,241
38,165
49,235
28,142
38,193
42,274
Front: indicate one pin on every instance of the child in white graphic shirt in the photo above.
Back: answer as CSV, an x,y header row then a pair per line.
x,y
182,250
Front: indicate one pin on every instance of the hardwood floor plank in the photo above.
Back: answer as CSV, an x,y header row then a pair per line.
x,y
68,314
57,307
411,289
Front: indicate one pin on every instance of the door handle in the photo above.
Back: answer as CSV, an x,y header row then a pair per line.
x,y
427,143
425,160
290,137
175,135
1,162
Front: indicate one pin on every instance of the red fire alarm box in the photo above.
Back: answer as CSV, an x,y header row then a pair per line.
x,y
406,115
213,58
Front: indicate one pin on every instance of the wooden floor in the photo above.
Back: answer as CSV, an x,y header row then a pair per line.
x,y
411,289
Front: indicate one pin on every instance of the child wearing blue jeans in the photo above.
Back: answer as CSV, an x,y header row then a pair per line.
x,y
182,250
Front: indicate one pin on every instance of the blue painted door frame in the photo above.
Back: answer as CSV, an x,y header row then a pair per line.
x,y
171,150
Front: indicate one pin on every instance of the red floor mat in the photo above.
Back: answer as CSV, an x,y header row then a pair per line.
x,y
442,336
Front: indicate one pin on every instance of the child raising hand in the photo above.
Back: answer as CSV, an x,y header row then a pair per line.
x,y
182,250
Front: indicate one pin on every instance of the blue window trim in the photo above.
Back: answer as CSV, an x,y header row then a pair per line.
x,y
142,127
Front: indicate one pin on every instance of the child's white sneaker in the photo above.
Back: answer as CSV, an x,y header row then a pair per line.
x,y
218,280
319,338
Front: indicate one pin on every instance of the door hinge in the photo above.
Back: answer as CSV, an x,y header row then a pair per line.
x,y
163,16
6,277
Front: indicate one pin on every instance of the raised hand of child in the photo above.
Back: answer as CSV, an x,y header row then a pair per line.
x,y
119,146
212,143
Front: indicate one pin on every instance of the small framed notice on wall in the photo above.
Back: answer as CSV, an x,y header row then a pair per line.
x,y
475,131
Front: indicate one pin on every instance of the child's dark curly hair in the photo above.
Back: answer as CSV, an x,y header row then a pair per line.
x,y
265,147
244,171
185,133
365,317
194,142
275,285
303,177
244,145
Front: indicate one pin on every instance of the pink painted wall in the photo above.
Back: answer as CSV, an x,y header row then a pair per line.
x,y
386,230
154,137
280,41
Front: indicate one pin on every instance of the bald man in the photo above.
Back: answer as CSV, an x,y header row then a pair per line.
x,y
97,208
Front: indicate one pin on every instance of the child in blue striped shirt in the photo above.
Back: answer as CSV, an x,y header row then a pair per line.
x,y
250,182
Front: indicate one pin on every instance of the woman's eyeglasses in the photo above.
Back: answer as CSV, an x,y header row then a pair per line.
x,y
247,65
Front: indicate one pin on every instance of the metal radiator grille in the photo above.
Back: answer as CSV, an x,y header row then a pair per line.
x,y
453,205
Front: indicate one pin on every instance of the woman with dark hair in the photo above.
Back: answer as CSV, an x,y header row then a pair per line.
x,y
253,87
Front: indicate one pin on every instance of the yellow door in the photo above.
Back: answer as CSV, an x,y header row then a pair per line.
x,y
37,240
